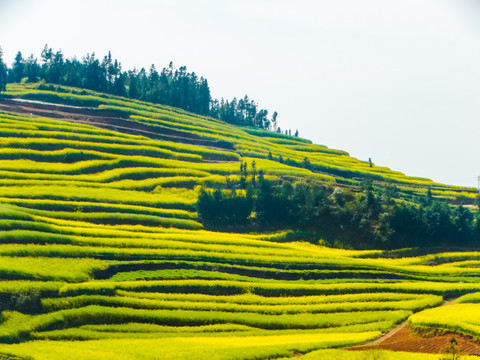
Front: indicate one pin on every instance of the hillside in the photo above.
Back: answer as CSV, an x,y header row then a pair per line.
x,y
102,241
166,123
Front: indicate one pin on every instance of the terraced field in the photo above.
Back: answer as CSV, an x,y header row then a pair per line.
x,y
100,242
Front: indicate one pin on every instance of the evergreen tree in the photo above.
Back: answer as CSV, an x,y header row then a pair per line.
x,y
476,230
119,86
32,69
463,222
57,68
18,68
438,222
3,73
46,56
132,84
94,78
275,121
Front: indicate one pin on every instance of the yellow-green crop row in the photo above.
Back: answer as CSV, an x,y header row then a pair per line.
x,y
57,144
95,314
217,348
58,269
252,299
460,318
43,206
266,289
336,307
181,198
142,330
335,354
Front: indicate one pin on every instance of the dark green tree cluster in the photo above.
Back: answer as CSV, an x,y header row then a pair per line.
x,y
243,112
225,208
368,218
170,86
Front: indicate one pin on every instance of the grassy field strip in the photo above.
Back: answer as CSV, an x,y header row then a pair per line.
x,y
212,330
146,185
461,318
40,125
252,299
17,286
152,331
117,174
83,228
107,218
447,257
58,269
44,244
147,249
187,243
293,308
172,274
171,246
56,133
473,298
58,156
102,170
119,149
18,326
35,167
365,263
44,207
333,354
138,232
181,198
266,289
216,348
202,270
63,246
93,134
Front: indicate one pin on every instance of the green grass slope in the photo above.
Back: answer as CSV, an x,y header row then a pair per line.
x,y
100,243
246,143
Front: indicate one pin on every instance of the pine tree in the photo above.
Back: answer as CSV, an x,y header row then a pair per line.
x,y
3,73
32,69
18,68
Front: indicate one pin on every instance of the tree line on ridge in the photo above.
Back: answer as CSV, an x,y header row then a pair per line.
x,y
170,86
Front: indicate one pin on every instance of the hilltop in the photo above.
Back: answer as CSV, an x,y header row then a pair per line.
x,y
144,231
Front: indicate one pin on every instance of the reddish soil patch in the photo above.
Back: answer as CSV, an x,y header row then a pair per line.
x,y
402,339
405,340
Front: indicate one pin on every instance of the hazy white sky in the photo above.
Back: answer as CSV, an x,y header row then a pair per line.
x,y
397,81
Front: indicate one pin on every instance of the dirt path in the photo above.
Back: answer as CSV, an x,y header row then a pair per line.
x,y
399,330
402,339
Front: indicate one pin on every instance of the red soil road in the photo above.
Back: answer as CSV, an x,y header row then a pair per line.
x,y
402,339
